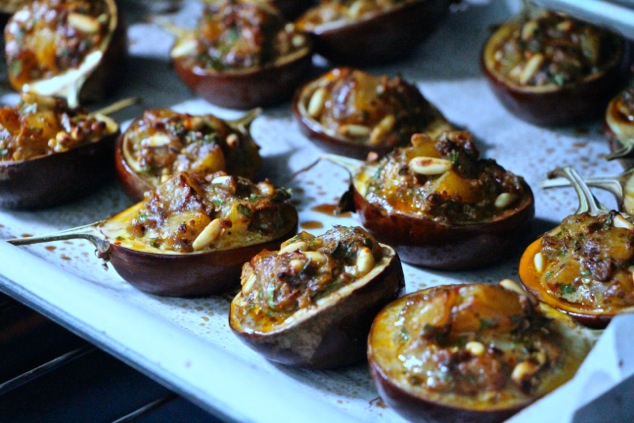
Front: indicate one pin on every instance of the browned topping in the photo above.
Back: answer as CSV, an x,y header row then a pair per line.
x,y
48,37
164,142
547,48
346,10
589,260
40,126
307,268
445,180
188,212
240,34
374,110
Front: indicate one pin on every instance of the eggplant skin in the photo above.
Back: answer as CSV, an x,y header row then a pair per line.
x,y
265,86
417,410
573,103
58,178
387,37
190,274
424,242
332,335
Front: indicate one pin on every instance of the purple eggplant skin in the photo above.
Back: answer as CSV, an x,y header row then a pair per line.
x,y
386,37
332,335
58,178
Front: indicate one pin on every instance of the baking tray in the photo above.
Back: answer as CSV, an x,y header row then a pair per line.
x,y
186,344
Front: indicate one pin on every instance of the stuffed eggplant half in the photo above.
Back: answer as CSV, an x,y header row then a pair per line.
x,y
242,55
311,303
471,352
350,112
67,48
550,69
162,143
584,265
51,154
191,235
439,204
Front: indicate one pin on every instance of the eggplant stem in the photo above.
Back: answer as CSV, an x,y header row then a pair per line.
x,y
118,106
246,120
87,232
626,151
610,184
587,201
351,165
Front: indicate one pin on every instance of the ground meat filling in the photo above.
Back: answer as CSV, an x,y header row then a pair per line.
x,y
475,341
374,110
307,268
346,10
547,48
52,36
589,260
236,34
190,213
444,179
41,126
163,143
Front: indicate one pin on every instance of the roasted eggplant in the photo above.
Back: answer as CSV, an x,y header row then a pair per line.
x,y
72,49
364,32
353,113
440,205
471,352
242,55
583,267
550,69
191,235
311,303
51,154
163,142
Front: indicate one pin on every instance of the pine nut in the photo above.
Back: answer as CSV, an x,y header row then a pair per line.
x,y
315,257
528,29
475,348
504,200
429,166
531,68
365,262
83,23
355,131
158,140
383,127
295,246
539,262
247,286
523,371
232,140
317,102
208,235
221,180
621,222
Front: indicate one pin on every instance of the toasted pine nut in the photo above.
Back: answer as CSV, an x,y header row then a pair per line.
x,y
158,140
317,102
315,257
511,285
539,262
419,139
531,68
621,222
383,127
233,140
475,348
504,200
528,29
220,180
297,265
247,285
83,23
523,371
295,246
164,177
208,235
564,25
365,262
429,165
352,130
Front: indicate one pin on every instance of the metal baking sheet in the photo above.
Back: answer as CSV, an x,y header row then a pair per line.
x,y
186,343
